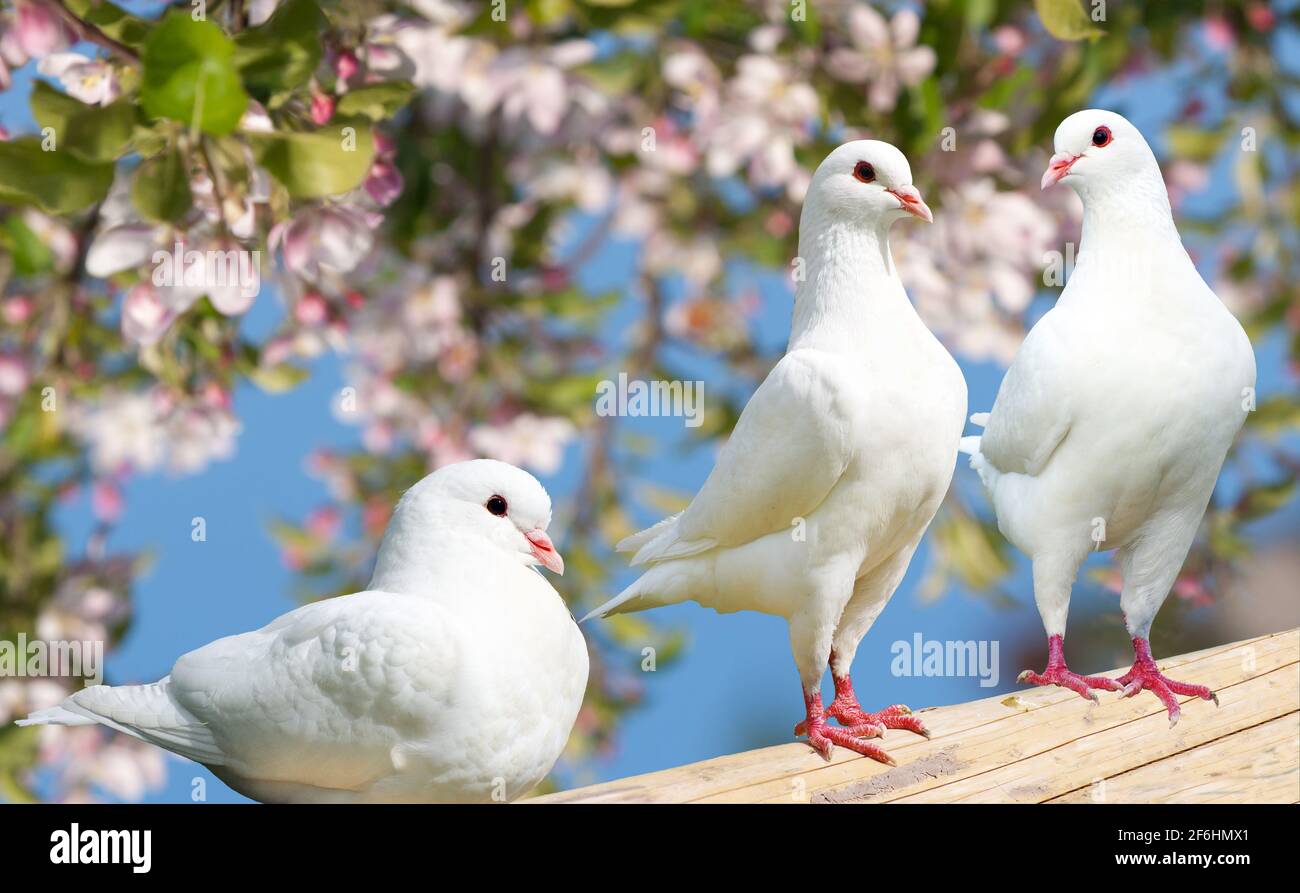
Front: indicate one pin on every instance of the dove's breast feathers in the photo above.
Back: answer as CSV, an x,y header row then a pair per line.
x,y
1121,401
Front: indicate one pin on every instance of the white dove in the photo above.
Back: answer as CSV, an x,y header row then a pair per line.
x,y
839,461
456,676
1111,425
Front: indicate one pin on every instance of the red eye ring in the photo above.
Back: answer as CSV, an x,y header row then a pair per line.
x,y
863,172
1101,137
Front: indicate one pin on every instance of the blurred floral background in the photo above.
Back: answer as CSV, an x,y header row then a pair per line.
x,y
470,213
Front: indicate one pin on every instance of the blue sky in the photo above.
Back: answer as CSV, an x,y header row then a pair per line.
x,y
734,687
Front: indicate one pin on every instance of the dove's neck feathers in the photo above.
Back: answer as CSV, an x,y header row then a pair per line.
x,y
849,293
1128,217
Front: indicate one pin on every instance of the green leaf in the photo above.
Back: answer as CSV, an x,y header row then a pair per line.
x,y
1194,143
92,132
58,182
277,379
31,255
160,189
282,52
190,75
376,102
1066,20
328,161
617,73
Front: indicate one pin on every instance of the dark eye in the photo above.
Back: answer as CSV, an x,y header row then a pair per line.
x,y
864,172
497,505
1101,136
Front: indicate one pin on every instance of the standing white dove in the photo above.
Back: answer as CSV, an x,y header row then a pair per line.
x,y
837,464
1111,425
457,676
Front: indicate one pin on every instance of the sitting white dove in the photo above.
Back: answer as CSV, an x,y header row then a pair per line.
x,y
457,676
837,464
1111,425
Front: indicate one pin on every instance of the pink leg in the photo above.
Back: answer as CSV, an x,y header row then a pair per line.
x,y
1146,675
1057,673
824,737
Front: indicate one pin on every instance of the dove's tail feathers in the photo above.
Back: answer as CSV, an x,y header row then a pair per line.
x,y
989,475
971,446
667,547
662,542
663,584
634,542
615,604
55,716
148,712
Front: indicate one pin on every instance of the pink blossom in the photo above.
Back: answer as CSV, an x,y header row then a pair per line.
x,y
39,30
1219,33
384,183
214,395
322,108
1261,16
883,54
92,81
145,317
374,516
527,440
106,501
13,376
17,309
324,523
311,309
1010,40
330,238
346,65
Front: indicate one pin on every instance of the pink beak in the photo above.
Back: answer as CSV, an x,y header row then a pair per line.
x,y
544,550
1057,168
910,201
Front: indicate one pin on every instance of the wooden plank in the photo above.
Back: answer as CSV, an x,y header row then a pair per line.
x,y
989,748
1086,758
1256,765
1013,734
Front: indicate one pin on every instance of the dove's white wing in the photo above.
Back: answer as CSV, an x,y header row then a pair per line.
x,y
324,693
1031,416
790,445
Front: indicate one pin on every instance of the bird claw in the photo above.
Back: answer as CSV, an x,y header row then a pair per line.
x,y
1146,676
897,716
823,738
1064,677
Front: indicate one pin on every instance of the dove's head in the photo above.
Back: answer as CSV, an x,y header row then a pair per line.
x,y
483,497
1101,152
866,181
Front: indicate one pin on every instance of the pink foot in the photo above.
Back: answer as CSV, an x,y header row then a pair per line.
x,y
850,714
1145,675
823,737
1057,673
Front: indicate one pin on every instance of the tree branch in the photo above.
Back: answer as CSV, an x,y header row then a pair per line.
x,y
92,33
